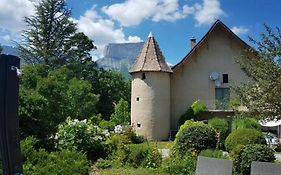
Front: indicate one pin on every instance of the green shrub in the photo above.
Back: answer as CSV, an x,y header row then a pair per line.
x,y
213,153
103,163
109,125
244,137
245,122
194,110
189,123
251,152
27,147
63,162
82,136
195,137
222,130
37,162
235,156
180,165
126,136
137,155
220,125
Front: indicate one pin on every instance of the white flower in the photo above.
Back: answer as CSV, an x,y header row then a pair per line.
x,y
118,129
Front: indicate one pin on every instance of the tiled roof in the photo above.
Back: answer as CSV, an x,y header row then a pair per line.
x,y
150,58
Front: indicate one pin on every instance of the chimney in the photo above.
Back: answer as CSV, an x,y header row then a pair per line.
x,y
192,42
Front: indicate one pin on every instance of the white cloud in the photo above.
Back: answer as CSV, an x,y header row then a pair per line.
x,y
239,30
102,31
208,12
12,13
133,12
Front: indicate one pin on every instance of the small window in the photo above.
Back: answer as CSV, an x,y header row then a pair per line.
x,y
138,125
224,78
138,99
143,76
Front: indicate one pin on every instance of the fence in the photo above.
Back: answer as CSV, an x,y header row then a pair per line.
x,y
9,122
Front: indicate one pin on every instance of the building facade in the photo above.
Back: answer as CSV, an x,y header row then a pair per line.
x,y
160,94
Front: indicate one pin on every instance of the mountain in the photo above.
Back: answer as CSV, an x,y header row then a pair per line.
x,y
120,56
10,50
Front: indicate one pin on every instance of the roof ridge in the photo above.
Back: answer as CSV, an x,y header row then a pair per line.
x,y
145,57
151,58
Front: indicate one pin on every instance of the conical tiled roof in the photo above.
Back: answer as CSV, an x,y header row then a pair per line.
x,y
150,58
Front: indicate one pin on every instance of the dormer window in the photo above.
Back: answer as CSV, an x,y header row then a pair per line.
x,y
143,76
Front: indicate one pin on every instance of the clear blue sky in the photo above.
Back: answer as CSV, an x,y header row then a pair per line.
x,y
172,22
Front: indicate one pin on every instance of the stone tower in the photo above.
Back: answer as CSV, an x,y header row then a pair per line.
x,y
150,99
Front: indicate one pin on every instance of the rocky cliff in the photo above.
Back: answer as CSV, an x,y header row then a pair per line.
x,y
120,56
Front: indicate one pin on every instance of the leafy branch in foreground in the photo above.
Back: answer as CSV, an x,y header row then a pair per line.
x,y
262,96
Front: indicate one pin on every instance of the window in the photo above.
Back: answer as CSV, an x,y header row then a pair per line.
x,y
138,125
138,99
143,76
222,98
224,78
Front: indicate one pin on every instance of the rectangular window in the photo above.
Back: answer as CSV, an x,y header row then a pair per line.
x,y
222,98
224,78
143,76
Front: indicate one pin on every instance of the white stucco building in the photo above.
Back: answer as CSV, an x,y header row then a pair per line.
x,y
160,94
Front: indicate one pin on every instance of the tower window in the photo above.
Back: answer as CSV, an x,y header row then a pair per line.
x,y
138,125
224,78
138,99
143,76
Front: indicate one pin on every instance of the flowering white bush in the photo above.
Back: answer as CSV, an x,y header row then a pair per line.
x,y
81,136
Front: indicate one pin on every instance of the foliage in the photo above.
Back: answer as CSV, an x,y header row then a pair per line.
x,y
121,115
180,165
263,66
244,156
126,136
189,123
109,125
103,163
244,137
50,36
193,111
1,49
131,171
137,155
48,98
222,130
81,136
245,122
220,125
213,153
61,162
111,86
195,137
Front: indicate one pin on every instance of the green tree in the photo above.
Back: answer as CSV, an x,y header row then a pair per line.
x,y
48,98
121,115
50,37
262,96
110,85
1,48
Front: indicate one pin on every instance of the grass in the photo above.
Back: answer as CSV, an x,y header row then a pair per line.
x,y
129,171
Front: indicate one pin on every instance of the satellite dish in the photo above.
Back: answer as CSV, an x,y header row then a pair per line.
x,y
214,76
217,83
